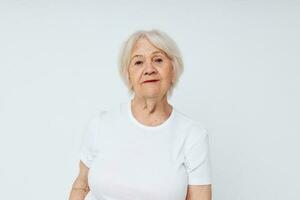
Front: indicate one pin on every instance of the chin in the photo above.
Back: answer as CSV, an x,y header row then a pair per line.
x,y
151,95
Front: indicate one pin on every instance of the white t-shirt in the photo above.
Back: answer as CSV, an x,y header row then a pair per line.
x,y
131,161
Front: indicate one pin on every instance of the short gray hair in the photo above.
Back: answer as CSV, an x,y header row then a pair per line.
x,y
161,41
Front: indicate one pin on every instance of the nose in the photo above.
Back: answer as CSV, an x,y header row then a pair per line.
x,y
149,69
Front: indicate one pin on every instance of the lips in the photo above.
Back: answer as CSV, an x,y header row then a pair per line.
x,y
149,81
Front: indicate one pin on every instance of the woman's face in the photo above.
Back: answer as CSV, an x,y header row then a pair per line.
x,y
149,63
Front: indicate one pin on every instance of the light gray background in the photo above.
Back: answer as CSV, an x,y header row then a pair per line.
x,y
241,80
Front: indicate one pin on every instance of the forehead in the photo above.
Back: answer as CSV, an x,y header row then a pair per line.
x,y
143,46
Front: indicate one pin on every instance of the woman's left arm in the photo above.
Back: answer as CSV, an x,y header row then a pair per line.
x,y
199,192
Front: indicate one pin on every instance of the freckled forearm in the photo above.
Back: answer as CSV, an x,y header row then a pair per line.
x,y
199,193
79,190
78,193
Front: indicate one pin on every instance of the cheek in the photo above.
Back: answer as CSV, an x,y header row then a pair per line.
x,y
134,76
167,73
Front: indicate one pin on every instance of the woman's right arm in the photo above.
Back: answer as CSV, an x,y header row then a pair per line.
x,y
80,186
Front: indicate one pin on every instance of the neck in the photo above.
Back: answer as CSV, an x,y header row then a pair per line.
x,y
151,110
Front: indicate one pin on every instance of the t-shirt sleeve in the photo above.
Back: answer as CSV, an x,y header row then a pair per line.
x,y
197,160
87,150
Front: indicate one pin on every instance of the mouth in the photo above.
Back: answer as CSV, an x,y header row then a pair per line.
x,y
150,81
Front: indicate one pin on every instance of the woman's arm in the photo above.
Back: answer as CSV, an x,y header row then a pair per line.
x,y
199,192
80,186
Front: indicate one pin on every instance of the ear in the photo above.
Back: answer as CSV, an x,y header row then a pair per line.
x,y
173,75
130,84
128,78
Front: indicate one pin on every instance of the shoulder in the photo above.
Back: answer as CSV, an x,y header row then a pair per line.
x,y
195,137
191,125
193,131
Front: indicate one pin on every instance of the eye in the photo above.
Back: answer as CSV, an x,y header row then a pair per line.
x,y
158,60
138,62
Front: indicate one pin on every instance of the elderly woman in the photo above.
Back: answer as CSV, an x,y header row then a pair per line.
x,y
144,148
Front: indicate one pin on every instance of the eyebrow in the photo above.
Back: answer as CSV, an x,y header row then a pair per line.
x,y
155,52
